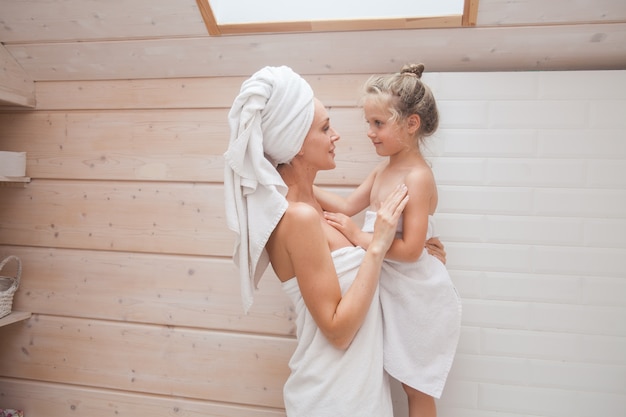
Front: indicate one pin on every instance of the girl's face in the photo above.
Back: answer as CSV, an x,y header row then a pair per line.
x,y
319,144
387,136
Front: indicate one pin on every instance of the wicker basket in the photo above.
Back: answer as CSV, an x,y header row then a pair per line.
x,y
8,286
7,412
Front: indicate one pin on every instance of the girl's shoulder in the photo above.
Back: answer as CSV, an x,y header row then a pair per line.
x,y
419,173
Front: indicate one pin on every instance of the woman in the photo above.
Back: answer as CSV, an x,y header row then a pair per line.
x,y
280,138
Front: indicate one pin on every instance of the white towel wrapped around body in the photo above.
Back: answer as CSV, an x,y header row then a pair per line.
x,y
329,382
268,120
421,318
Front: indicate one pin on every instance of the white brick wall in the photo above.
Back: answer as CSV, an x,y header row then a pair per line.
x,y
531,169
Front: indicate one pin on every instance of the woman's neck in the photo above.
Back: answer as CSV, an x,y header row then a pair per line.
x,y
299,181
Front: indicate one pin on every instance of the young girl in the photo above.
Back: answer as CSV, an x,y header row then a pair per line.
x,y
421,308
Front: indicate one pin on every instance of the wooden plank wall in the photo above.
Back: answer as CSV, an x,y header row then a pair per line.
x,y
127,270
135,301
16,87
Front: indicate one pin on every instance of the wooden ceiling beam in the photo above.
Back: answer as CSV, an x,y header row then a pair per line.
x,y
532,48
16,87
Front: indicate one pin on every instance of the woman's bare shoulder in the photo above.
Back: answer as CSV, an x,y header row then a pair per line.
x,y
300,212
286,247
300,219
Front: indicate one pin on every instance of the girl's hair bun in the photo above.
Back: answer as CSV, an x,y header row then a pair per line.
x,y
415,69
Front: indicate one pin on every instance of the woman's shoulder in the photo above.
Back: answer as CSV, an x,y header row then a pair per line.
x,y
298,218
299,211
285,242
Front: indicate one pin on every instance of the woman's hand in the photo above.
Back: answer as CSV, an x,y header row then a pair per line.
x,y
387,218
435,248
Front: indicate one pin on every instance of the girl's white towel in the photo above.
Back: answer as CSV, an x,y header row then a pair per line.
x,y
421,319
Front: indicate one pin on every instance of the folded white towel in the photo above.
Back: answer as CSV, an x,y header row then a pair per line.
x,y
268,120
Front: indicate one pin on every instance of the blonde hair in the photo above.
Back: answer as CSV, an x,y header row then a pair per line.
x,y
405,94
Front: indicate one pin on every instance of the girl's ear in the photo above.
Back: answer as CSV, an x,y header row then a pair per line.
x,y
413,123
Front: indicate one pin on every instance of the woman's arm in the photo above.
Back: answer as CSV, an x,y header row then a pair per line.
x,y
435,247
338,317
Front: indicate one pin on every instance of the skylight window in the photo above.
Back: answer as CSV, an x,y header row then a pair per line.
x,y
223,17
255,11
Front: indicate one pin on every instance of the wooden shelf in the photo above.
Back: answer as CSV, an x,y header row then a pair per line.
x,y
13,317
14,179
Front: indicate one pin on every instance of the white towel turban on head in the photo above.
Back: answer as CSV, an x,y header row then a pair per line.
x,y
268,120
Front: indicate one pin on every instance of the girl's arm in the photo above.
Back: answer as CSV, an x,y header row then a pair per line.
x,y
356,202
422,189
351,230
409,247
338,317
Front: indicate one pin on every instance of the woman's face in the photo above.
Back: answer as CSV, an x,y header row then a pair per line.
x,y
319,144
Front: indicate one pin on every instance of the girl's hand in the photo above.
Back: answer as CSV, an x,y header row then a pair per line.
x,y
435,248
344,224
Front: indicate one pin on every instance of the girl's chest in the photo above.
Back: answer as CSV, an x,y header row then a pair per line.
x,y
384,183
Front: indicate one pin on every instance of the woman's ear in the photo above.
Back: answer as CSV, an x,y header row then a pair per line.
x,y
413,123
298,155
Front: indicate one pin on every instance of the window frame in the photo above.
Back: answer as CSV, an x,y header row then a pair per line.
x,y
466,19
